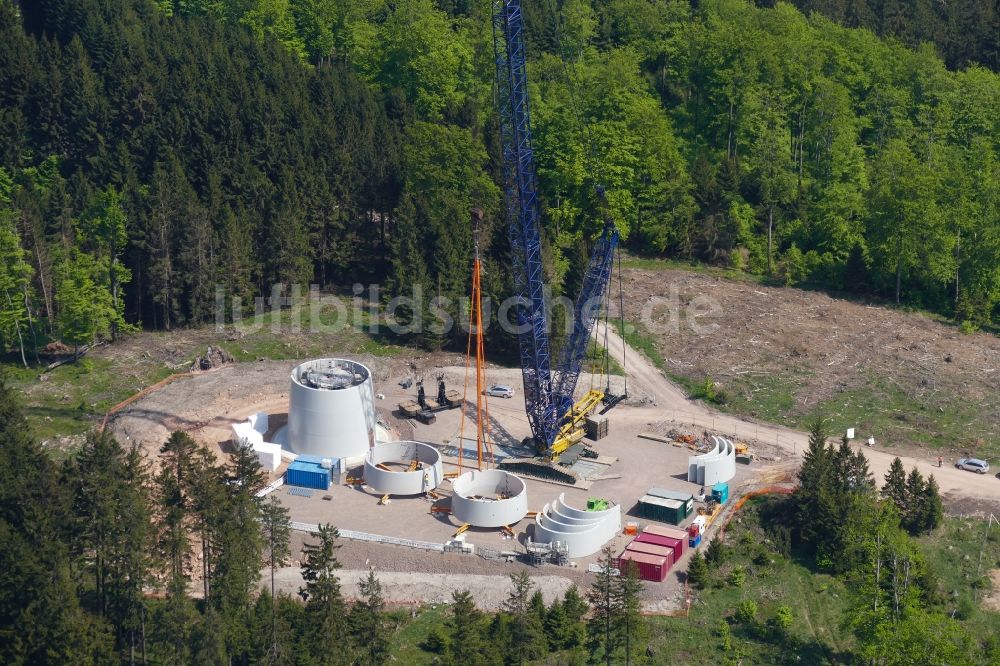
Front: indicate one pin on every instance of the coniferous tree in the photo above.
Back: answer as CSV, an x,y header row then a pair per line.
x,y
40,617
15,286
914,508
715,554
326,616
173,510
933,509
895,484
177,618
629,626
814,499
697,571
601,598
564,625
369,623
113,532
205,488
557,628
276,528
240,547
465,627
527,639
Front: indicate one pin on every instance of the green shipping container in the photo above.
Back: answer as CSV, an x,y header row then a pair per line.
x,y
686,499
664,510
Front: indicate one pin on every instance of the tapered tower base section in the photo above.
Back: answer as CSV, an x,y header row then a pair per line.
x,y
331,409
403,468
490,498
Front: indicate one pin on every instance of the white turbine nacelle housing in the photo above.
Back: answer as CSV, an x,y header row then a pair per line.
x,y
489,498
583,532
716,466
426,475
331,409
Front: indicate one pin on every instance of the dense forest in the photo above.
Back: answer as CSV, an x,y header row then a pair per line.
x,y
152,151
964,32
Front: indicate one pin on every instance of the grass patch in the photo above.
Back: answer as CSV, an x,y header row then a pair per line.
x,y
74,397
639,339
935,420
654,264
960,554
597,361
411,633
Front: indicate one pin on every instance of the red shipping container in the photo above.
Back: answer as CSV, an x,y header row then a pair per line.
x,y
676,544
650,548
647,549
672,532
651,567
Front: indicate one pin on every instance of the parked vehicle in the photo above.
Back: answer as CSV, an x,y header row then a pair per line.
x,y
973,465
500,391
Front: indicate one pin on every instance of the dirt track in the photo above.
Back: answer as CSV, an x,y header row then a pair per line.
x,y
671,402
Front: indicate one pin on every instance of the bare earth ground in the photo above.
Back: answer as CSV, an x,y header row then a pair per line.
x,y
780,353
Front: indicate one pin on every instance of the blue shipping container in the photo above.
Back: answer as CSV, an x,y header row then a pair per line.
x,y
695,542
307,474
720,492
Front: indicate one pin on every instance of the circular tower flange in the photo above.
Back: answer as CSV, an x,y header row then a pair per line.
x,y
489,498
403,468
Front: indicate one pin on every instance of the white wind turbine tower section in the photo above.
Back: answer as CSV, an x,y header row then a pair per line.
x,y
331,410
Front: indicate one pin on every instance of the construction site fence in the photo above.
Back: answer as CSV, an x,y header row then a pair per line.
x,y
373,538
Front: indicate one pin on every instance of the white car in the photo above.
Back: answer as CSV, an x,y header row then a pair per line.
x,y
973,465
500,391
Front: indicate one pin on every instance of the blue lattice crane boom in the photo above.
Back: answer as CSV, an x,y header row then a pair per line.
x,y
548,396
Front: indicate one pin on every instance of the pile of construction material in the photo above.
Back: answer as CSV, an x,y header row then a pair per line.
x,y
214,357
596,427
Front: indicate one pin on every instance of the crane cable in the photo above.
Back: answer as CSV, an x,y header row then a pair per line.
x,y
621,320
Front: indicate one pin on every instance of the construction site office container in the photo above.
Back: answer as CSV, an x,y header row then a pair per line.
x,y
663,510
720,492
672,532
308,475
653,568
675,545
686,499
